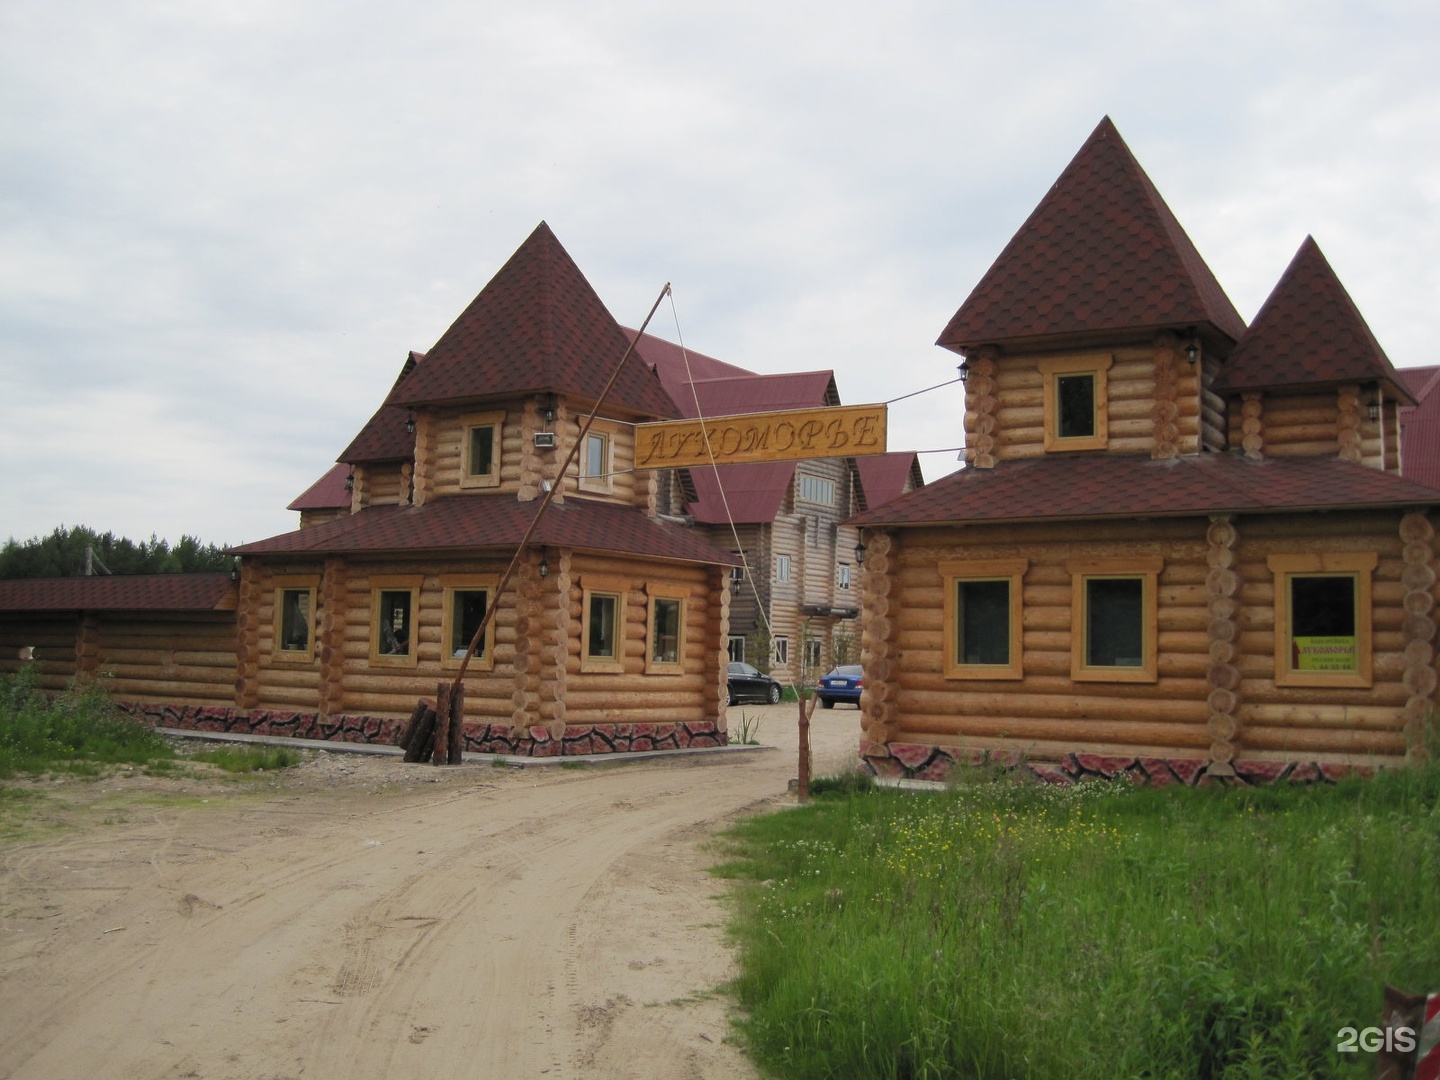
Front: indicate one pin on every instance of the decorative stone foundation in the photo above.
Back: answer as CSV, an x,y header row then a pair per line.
x,y
916,761
479,738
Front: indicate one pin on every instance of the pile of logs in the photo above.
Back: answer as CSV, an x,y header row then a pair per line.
x,y
434,732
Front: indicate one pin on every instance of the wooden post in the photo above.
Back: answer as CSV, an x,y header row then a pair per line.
x,y
807,706
443,698
412,726
457,724
420,742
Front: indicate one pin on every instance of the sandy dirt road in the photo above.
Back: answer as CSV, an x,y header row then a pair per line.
x,y
356,918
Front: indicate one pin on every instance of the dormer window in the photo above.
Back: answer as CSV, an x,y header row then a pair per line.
x,y
1076,413
481,449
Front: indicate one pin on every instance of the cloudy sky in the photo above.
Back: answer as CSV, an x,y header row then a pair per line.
x,y
224,222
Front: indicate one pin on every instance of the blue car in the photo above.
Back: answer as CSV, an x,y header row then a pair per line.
x,y
844,683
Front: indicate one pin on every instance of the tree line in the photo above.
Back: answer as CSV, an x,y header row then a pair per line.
x,y
64,554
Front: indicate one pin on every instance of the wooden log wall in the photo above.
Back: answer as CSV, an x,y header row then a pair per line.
x,y
48,642
879,642
168,657
391,691
1342,724
388,484
1216,695
1153,398
714,647
631,695
254,581
1297,425
329,619
1214,423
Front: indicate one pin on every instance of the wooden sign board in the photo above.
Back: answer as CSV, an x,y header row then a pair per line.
x,y
842,431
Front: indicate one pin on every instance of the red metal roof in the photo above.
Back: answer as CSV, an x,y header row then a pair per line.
x,y
1420,426
1308,332
1102,252
536,327
327,493
753,493
1123,485
669,362
883,476
126,592
469,522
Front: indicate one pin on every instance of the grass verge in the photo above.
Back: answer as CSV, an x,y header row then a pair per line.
x,y
1009,930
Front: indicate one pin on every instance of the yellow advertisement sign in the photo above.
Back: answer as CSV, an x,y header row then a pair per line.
x,y
1326,654
843,431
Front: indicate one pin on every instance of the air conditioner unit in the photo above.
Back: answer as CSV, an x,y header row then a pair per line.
x,y
544,440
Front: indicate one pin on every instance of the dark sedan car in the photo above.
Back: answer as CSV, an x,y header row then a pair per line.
x,y
844,683
748,684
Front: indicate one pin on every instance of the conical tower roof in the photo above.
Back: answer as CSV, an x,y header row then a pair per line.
x,y
537,327
1102,252
1308,333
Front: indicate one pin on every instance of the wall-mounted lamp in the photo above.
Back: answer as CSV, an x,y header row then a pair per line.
x,y
1192,352
860,553
544,567
964,370
235,569
410,424
350,481
1374,408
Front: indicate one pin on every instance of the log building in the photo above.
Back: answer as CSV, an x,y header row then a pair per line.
x,y
611,636
1182,546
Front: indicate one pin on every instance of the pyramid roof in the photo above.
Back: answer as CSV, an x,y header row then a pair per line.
x,y
537,327
1101,252
1308,332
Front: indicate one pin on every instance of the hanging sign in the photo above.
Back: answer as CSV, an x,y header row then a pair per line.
x,y
841,431
1326,654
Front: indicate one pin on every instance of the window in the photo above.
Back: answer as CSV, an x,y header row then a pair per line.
x,y
665,632
394,606
602,621
780,652
466,600
295,618
1076,414
814,653
982,618
595,462
817,489
735,649
481,450
1113,619
782,567
844,576
1322,619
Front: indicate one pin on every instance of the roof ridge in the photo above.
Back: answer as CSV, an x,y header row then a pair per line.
x,y
1309,332
1102,251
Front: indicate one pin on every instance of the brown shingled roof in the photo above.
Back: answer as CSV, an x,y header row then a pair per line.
x,y
327,493
1308,332
126,592
1123,485
1102,252
468,522
537,327
384,438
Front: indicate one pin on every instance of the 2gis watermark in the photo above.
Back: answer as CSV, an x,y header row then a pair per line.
x,y
1372,1040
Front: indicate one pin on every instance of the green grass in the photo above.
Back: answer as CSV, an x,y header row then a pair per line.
x,y
1009,930
78,731
81,732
